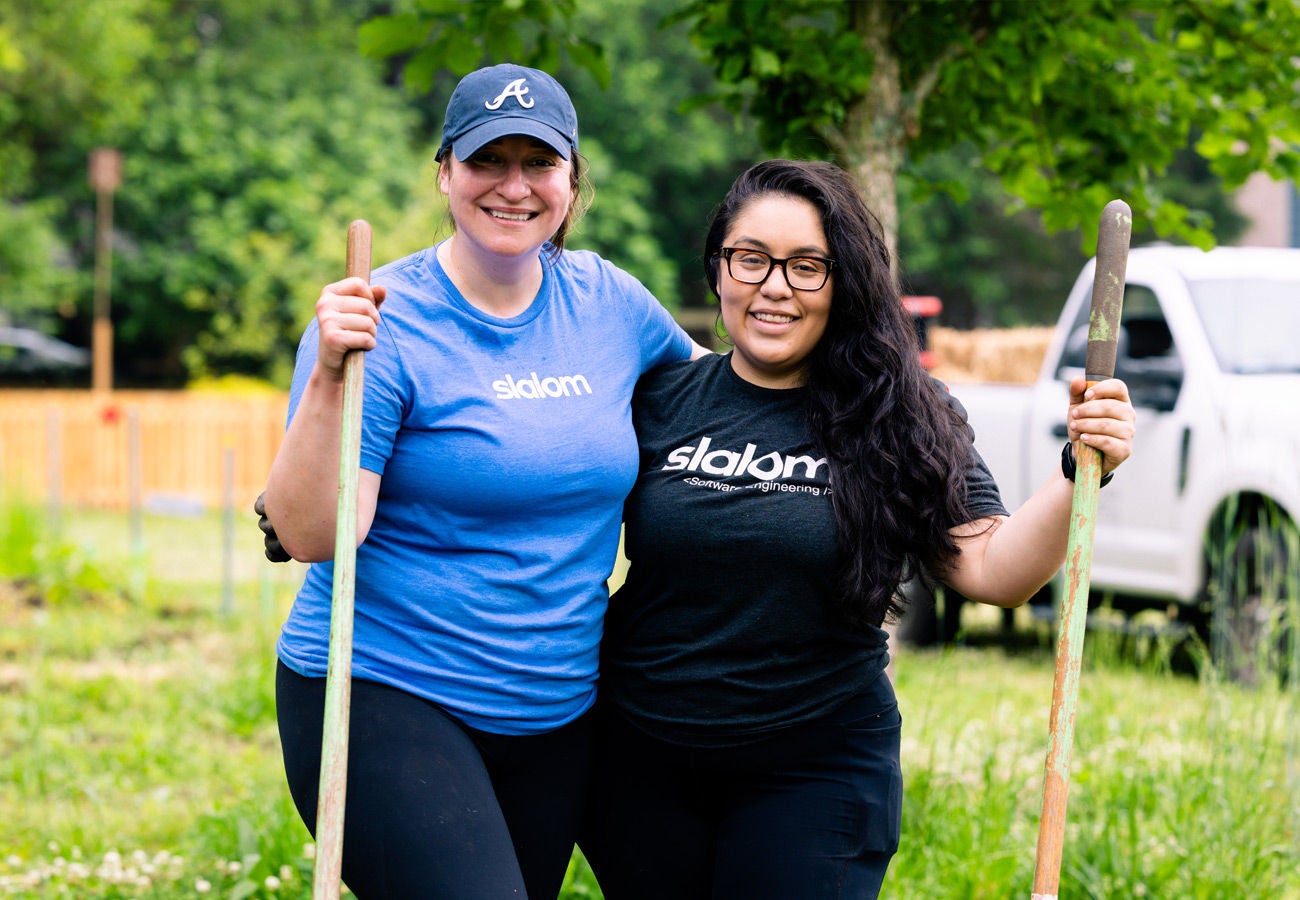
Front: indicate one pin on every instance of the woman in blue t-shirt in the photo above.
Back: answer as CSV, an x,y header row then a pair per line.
x,y
496,451
749,742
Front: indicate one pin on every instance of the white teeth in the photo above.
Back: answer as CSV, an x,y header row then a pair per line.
x,y
773,317
510,217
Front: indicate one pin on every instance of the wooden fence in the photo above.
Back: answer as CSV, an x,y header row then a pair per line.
x,y
168,448
153,449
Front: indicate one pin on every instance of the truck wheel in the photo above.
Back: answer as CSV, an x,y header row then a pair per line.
x,y
1252,589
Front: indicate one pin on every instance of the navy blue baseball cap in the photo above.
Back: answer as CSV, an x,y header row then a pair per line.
x,y
508,99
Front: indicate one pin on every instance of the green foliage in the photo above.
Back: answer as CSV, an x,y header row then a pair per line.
x,y
431,35
795,67
959,240
143,759
657,169
43,569
621,225
253,133
138,725
68,73
240,185
250,138
37,289
1165,772
1069,104
963,238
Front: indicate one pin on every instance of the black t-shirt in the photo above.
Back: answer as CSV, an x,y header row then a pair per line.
x,y
724,630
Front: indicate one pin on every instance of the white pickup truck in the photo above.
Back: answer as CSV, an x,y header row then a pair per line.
x,y
1201,521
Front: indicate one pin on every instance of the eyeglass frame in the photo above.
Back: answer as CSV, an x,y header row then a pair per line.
x,y
774,262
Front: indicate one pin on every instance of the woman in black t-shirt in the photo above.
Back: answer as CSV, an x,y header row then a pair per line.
x,y
749,745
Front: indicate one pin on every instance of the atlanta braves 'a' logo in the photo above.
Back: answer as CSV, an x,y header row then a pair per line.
x,y
516,89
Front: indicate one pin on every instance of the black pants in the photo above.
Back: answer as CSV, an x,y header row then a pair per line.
x,y
810,813
436,809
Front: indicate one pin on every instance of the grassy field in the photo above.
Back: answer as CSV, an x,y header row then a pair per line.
x,y
139,757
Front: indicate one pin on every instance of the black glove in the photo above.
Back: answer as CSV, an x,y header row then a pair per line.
x,y
271,541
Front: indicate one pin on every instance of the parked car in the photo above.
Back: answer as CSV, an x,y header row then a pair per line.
x,y
1201,522
30,358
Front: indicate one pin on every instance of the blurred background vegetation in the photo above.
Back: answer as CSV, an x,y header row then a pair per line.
x,y
251,135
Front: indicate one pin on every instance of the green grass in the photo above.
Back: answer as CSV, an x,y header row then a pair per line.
x,y
1178,788
139,757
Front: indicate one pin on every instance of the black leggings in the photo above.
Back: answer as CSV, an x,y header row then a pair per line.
x,y
434,808
809,813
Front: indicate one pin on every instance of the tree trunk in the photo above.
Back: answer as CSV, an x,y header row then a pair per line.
x,y
872,141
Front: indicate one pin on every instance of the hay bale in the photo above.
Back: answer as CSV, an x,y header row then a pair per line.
x,y
1011,355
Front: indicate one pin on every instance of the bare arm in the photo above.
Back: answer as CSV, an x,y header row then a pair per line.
x,y
302,490
1005,559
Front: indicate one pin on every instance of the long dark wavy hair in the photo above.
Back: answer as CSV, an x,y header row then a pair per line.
x,y
897,452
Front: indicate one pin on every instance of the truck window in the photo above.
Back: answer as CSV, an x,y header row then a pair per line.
x,y
1251,323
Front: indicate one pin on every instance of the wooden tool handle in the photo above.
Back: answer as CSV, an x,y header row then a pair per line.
x,y
338,681
359,249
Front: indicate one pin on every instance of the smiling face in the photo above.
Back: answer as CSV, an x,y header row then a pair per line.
x,y
509,198
773,326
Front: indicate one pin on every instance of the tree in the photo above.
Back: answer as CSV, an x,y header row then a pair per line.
x,y
958,241
271,132
963,238
68,74
1070,104
1066,105
656,169
251,135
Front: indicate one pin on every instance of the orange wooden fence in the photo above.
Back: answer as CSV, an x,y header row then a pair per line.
x,y
158,448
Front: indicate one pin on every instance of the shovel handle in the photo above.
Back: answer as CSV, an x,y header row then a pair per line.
x,y
328,867
1103,333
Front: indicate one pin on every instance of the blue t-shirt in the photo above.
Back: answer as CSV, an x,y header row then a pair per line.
x,y
506,449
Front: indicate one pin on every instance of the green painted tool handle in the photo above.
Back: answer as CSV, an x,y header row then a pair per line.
x,y
1103,333
328,868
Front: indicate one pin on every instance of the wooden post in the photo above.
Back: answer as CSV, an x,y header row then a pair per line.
x,y
54,470
135,478
228,531
105,178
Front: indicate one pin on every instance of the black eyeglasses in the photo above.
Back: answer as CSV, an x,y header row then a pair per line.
x,y
804,273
